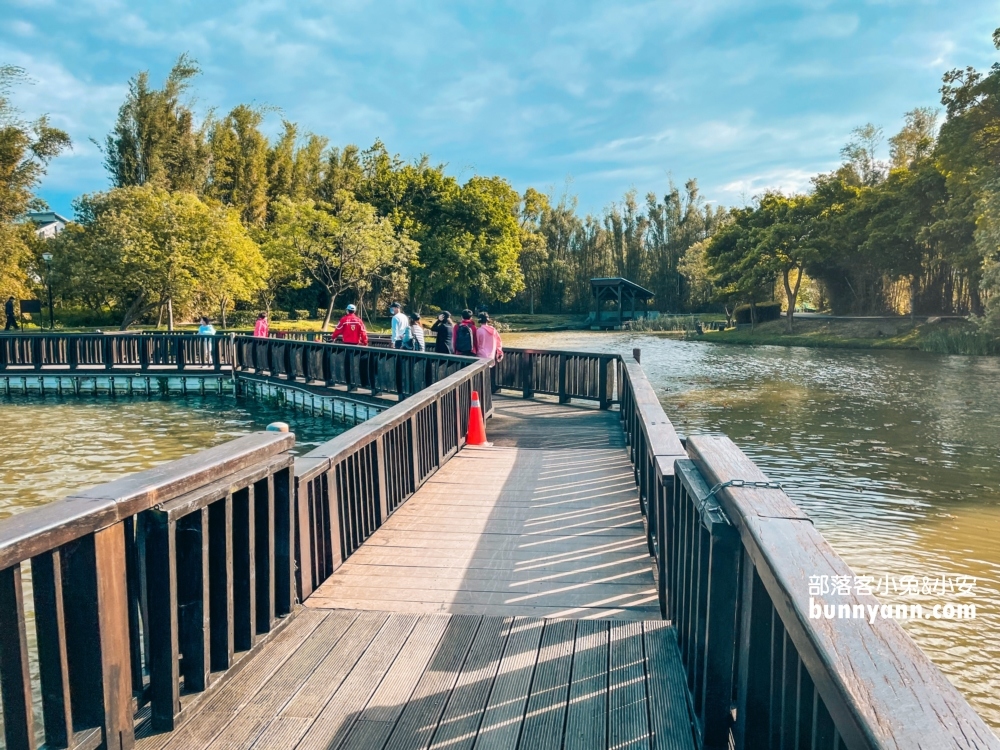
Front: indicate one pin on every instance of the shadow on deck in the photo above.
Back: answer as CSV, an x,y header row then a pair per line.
x,y
372,680
546,523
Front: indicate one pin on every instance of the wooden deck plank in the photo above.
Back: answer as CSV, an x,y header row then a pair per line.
x,y
670,723
501,725
419,718
642,608
334,722
545,716
254,716
331,672
460,721
586,719
219,708
628,707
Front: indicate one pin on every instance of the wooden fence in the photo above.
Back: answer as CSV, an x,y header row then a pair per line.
x,y
734,568
96,351
391,371
567,375
146,591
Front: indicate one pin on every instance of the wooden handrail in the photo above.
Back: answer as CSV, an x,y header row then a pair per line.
x,y
90,352
734,569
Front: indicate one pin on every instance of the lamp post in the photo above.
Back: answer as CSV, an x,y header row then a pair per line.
x,y
47,257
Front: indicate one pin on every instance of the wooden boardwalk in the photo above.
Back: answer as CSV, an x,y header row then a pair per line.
x,y
509,603
371,680
546,523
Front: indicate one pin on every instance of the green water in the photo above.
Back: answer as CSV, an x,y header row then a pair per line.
x,y
894,455
53,447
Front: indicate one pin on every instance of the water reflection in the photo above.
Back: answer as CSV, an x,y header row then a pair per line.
x,y
893,454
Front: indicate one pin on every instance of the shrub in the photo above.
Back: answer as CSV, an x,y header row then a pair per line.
x,y
765,311
301,315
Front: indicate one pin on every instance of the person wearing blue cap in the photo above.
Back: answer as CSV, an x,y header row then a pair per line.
x,y
351,328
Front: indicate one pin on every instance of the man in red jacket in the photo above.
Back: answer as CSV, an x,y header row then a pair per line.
x,y
351,328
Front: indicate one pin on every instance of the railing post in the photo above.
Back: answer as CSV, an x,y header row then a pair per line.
x,y
36,351
181,352
53,662
563,398
161,567
602,393
143,343
216,350
109,352
527,375
15,685
438,425
753,681
720,633
112,608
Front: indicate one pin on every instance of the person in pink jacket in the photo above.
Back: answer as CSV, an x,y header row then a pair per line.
x,y
488,343
260,327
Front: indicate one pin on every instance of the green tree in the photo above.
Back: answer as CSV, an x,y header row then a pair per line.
x,y
344,246
156,140
141,249
239,173
534,255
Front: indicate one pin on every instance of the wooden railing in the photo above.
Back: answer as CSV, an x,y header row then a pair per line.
x,y
143,352
348,487
381,371
567,375
146,591
733,574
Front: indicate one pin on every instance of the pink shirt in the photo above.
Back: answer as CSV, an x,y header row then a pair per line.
x,y
488,345
260,328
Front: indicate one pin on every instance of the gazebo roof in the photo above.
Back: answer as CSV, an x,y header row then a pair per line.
x,y
634,288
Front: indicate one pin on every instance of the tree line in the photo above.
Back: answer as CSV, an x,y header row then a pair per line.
x,y
917,233
207,214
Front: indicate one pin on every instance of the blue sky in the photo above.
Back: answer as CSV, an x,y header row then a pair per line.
x,y
596,97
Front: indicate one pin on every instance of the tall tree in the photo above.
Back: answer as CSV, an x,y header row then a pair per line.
x,y
142,248
156,139
239,172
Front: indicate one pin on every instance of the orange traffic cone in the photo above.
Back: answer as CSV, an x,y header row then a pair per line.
x,y
477,430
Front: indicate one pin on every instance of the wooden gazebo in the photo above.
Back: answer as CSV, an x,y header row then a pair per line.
x,y
623,294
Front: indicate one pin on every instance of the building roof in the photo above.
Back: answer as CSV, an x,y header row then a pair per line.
x,y
636,290
45,217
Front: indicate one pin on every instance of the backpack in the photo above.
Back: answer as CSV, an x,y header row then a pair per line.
x,y
464,340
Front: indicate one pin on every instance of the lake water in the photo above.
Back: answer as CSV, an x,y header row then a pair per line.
x,y
894,454
52,446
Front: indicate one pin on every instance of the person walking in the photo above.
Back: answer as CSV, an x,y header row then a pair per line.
x,y
413,336
465,335
8,311
261,327
206,329
399,324
351,328
445,330
488,343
